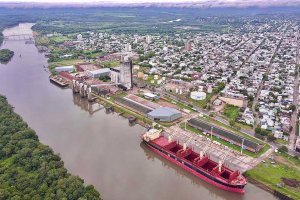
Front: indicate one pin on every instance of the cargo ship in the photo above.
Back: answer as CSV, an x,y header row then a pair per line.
x,y
198,164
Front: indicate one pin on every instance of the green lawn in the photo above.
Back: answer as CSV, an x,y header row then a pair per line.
x,y
281,141
231,112
179,104
244,126
59,39
52,65
271,175
110,63
67,62
93,54
201,103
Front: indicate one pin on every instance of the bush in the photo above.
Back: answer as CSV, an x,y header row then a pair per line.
x,y
261,131
271,138
283,149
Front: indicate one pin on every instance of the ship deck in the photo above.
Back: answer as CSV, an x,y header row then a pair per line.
x,y
232,159
205,164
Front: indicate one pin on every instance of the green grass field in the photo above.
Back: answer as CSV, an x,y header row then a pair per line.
x,y
52,65
231,112
179,104
201,103
110,63
271,175
59,39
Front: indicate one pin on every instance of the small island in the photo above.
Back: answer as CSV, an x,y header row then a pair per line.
x,y
5,55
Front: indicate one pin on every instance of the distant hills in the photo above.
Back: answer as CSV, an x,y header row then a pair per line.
x,y
153,3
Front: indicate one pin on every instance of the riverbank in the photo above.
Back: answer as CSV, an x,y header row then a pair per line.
x,y
5,55
30,169
271,175
85,138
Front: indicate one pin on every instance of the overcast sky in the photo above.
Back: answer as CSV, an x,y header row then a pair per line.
x,y
188,3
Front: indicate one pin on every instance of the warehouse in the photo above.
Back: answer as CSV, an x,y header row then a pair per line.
x,y
65,69
225,135
98,73
164,114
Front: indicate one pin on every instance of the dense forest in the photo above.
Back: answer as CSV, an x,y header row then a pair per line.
x,y
29,170
136,20
5,55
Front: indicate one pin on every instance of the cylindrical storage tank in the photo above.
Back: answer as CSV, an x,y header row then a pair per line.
x,y
198,95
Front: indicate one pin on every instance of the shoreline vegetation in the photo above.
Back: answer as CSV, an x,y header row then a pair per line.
x,y
30,169
6,55
278,168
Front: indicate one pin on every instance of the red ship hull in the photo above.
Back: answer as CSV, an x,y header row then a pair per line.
x,y
208,180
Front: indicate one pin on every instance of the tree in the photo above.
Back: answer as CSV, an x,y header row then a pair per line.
x,y
283,149
250,98
34,171
271,138
231,123
292,107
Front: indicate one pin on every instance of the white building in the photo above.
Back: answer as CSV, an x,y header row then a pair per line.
x,y
98,73
65,69
127,48
148,39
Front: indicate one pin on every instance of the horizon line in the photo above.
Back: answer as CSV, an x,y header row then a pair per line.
x,y
206,4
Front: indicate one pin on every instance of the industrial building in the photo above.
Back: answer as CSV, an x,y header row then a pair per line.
x,y
65,69
98,73
164,114
225,135
148,108
123,74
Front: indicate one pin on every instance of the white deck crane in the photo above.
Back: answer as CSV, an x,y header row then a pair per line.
x,y
221,161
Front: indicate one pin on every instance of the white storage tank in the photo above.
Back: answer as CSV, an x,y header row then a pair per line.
x,y
198,95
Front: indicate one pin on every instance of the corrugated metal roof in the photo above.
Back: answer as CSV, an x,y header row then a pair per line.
x,y
164,111
100,71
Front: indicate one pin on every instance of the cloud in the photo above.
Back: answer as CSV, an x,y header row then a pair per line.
x,y
148,3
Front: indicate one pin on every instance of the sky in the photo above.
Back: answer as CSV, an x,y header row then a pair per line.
x,y
186,3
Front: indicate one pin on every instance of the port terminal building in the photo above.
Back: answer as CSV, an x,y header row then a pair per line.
x,y
149,109
164,114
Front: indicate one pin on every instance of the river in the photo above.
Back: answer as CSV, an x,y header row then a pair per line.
x,y
100,148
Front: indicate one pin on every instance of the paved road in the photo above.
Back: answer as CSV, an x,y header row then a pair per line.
x,y
256,118
293,136
204,112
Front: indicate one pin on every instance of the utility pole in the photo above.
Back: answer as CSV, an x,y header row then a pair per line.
x,y
242,146
211,133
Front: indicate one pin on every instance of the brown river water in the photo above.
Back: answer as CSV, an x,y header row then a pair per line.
x,y
100,148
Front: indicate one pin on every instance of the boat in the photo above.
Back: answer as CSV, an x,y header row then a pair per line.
x,y
59,81
198,164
